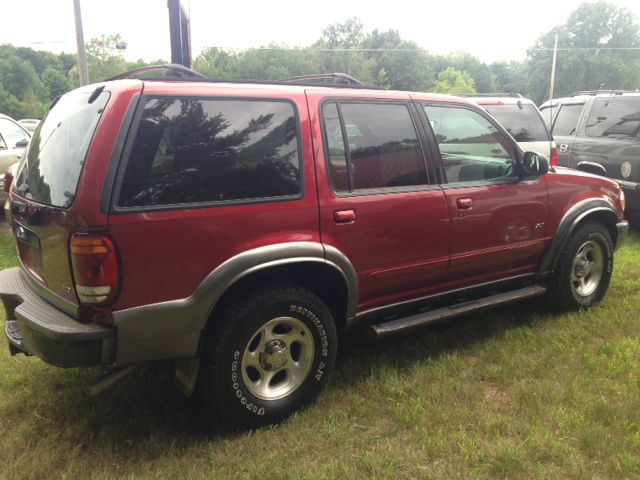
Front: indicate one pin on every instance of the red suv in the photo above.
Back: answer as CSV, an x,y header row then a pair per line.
x,y
237,227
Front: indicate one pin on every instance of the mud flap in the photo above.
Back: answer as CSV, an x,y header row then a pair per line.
x,y
186,375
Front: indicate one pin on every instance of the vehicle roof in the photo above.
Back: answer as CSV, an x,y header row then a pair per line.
x,y
582,97
230,87
501,100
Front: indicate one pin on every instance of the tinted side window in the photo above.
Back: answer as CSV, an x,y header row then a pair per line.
x,y
198,150
381,148
472,149
522,122
567,120
614,116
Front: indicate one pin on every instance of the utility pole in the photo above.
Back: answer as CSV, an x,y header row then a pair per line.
x,y
180,32
553,67
83,70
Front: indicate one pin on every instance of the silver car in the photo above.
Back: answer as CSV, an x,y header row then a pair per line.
x,y
13,140
523,121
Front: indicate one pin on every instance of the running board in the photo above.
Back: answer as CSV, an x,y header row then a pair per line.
x,y
406,324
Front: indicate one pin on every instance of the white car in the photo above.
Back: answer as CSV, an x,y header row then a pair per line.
x,y
13,140
29,123
522,119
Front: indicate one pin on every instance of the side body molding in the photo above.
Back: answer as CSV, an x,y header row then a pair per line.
x,y
569,223
172,329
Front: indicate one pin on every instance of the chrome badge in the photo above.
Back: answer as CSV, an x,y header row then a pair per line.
x,y
625,169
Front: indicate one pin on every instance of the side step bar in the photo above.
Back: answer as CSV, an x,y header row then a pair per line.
x,y
382,330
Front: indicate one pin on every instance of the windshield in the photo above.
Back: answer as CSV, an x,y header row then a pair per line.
x,y
524,124
51,168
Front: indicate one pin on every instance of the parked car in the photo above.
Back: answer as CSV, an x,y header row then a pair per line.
x,y
523,121
13,140
237,227
599,132
29,124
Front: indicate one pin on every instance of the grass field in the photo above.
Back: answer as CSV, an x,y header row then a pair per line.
x,y
516,393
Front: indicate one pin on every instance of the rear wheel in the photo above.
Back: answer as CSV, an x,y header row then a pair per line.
x,y
585,268
269,356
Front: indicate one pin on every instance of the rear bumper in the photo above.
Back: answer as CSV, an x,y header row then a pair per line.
x,y
35,327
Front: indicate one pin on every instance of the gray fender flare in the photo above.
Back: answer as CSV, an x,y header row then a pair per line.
x,y
568,224
172,329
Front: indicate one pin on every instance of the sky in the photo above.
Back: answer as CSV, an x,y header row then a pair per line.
x,y
490,29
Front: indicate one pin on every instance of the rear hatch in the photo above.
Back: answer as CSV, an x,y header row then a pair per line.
x,y
45,188
525,124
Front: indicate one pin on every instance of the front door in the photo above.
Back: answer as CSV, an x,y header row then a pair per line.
x,y
497,219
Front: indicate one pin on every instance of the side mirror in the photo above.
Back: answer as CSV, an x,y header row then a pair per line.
x,y
534,164
22,143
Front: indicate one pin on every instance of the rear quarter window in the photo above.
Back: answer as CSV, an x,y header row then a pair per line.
x,y
194,150
614,117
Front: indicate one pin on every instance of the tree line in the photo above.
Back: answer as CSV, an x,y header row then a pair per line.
x,y
599,48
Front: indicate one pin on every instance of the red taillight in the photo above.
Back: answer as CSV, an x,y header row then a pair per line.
x,y
8,179
554,157
95,268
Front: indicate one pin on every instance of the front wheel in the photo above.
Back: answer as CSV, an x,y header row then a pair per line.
x,y
269,356
585,268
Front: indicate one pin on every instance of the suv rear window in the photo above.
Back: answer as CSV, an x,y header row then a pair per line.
x,y
52,165
617,116
524,125
199,150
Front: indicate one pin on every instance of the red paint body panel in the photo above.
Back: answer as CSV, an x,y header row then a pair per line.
x,y
166,254
402,244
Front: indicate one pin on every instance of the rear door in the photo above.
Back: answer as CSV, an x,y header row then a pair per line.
x,y
379,203
497,219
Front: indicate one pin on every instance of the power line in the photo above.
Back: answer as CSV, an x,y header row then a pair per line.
x,y
581,49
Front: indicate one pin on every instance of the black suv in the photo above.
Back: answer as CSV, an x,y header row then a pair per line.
x,y
599,132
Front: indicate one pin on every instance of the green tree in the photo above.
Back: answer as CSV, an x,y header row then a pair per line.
x,y
399,64
593,33
481,74
454,82
341,51
510,77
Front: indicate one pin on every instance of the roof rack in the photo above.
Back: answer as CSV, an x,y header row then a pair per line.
x,y
179,73
517,95
326,79
603,92
166,72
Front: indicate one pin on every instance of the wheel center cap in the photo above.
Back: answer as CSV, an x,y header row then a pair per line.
x,y
274,355
582,268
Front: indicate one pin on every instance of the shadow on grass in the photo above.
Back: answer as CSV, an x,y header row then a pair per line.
x,y
144,408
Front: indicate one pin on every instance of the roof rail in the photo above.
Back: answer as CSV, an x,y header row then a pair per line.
x,y
602,92
328,79
170,71
517,95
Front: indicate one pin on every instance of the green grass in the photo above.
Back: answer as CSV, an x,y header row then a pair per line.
x,y
516,393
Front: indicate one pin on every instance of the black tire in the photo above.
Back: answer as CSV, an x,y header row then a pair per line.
x,y
585,268
241,371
